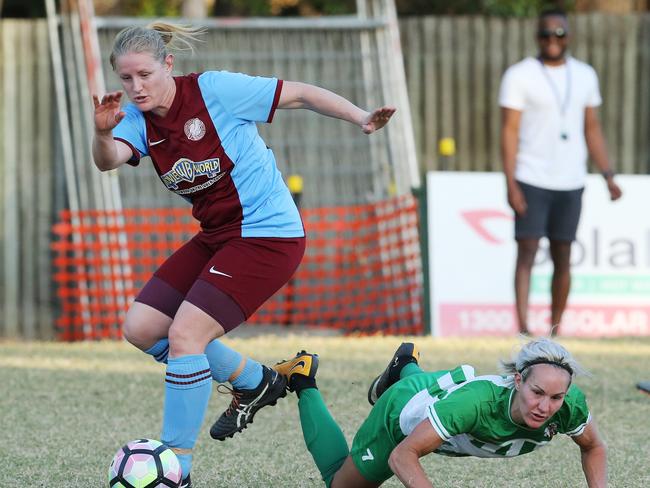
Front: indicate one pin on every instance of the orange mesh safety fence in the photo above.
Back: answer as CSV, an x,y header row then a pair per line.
x,y
361,271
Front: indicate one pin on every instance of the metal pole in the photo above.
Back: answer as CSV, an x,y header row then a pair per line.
x,y
109,181
397,60
379,161
295,184
66,144
62,107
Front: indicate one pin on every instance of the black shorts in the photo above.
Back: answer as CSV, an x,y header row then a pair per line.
x,y
551,213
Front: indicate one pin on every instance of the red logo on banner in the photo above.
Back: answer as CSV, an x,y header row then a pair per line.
x,y
477,220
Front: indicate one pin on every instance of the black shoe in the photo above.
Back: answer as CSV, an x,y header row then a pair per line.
x,y
303,363
406,353
186,483
644,386
246,403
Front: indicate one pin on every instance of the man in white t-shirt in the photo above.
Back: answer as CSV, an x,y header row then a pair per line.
x,y
549,127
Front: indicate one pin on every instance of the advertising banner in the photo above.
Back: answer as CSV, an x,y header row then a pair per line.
x,y
472,255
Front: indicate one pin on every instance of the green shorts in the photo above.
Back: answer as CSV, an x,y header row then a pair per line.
x,y
373,443
381,432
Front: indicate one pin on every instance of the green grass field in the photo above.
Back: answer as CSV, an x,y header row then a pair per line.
x,y
66,408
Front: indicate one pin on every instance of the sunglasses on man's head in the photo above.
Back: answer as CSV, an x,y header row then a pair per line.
x,y
560,33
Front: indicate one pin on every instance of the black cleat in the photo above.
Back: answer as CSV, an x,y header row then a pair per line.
x,y
406,353
246,403
303,363
186,483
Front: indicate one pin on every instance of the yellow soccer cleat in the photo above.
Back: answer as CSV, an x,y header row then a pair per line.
x,y
303,363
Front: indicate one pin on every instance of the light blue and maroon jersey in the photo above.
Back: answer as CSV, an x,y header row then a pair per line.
x,y
207,149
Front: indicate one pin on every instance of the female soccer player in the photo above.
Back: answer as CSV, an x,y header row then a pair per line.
x,y
200,132
450,412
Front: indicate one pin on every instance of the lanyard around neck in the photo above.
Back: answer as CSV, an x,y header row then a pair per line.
x,y
563,105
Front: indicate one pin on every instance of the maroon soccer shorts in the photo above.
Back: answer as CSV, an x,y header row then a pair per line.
x,y
227,280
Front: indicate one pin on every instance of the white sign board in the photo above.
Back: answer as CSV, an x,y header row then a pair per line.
x,y
472,254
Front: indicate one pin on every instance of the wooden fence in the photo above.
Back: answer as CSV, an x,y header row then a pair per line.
x,y
30,188
453,68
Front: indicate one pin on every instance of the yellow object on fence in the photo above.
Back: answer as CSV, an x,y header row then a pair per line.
x,y
447,146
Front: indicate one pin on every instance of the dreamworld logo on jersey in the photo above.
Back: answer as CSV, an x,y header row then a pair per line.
x,y
187,170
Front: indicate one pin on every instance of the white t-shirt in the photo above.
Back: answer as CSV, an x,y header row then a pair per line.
x,y
552,151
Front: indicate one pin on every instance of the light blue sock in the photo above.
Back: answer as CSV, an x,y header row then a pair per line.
x,y
224,361
188,384
250,377
159,351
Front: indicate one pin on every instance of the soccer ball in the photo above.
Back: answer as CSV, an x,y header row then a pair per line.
x,y
144,463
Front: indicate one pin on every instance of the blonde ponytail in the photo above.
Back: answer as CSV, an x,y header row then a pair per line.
x,y
157,38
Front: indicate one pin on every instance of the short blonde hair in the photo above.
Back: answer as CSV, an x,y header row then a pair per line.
x,y
157,38
541,351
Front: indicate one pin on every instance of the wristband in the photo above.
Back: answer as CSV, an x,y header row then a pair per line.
x,y
607,174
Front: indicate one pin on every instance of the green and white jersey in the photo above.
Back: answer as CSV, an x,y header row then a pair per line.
x,y
472,413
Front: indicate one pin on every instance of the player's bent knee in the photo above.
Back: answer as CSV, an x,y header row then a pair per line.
x,y
184,339
137,335
144,326
142,334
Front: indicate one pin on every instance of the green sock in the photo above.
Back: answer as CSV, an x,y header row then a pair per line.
x,y
409,369
322,434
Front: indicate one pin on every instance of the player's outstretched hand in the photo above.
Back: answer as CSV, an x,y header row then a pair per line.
x,y
107,112
377,119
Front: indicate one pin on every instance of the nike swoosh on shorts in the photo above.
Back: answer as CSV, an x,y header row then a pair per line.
x,y
221,273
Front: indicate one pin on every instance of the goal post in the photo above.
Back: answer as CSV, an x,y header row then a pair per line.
x,y
362,269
